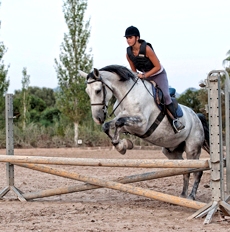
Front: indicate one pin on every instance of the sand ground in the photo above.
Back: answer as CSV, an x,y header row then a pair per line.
x,y
100,209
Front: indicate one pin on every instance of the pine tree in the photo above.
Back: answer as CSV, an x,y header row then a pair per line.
x,y
72,99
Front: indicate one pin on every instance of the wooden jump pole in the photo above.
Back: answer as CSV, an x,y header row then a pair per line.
x,y
125,188
143,163
77,188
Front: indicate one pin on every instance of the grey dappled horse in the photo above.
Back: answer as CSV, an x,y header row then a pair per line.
x,y
135,111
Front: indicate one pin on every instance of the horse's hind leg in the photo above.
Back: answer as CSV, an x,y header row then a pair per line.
x,y
177,155
193,151
197,177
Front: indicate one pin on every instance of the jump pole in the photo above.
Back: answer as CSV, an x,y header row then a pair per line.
x,y
137,163
127,188
77,188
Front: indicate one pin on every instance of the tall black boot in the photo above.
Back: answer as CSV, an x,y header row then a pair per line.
x,y
176,123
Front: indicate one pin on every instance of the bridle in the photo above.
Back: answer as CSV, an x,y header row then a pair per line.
x,y
103,103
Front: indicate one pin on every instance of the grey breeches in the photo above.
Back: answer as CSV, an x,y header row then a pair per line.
x,y
161,80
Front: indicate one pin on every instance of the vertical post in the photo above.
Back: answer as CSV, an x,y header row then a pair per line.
x,y
215,127
227,130
9,138
216,148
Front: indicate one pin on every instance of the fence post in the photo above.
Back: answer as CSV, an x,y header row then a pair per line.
x,y
227,135
218,202
9,138
10,149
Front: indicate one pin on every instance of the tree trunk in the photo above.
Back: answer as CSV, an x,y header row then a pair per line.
x,y
24,111
76,133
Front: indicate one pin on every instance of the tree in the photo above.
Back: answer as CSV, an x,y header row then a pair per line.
x,y
4,82
71,96
25,98
41,106
189,98
226,61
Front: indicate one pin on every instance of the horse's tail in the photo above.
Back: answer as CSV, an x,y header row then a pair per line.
x,y
206,144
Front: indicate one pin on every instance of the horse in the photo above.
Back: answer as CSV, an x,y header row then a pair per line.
x,y
137,113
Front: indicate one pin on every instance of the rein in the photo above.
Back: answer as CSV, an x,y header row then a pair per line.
x,y
105,107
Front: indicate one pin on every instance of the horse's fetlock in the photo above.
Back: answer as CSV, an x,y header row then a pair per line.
x,y
191,197
115,143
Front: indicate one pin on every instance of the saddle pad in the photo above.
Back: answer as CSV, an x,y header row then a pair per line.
x,y
179,111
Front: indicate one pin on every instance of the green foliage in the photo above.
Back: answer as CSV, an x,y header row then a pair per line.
x,y
42,108
71,96
190,99
25,99
4,83
46,94
49,116
226,61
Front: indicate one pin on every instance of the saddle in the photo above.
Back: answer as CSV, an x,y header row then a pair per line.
x,y
159,99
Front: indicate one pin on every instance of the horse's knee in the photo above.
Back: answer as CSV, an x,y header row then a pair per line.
x,y
120,122
105,127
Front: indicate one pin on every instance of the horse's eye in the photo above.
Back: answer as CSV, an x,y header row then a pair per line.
x,y
98,91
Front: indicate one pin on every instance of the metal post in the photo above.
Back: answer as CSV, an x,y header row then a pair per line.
x,y
227,134
216,150
9,138
215,128
10,149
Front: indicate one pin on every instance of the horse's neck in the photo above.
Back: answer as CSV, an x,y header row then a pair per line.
x,y
118,87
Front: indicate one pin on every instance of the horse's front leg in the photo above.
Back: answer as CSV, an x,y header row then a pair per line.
x,y
120,124
108,127
120,145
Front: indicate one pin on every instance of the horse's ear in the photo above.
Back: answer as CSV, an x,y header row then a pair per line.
x,y
83,74
96,73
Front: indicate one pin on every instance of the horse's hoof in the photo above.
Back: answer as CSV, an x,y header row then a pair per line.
x,y
191,197
183,195
123,151
128,143
121,147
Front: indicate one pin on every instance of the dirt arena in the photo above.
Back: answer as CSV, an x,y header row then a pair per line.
x,y
100,209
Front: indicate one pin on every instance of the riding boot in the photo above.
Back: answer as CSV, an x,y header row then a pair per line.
x,y
176,122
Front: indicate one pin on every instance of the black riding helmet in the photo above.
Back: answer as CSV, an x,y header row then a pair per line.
x,y
132,31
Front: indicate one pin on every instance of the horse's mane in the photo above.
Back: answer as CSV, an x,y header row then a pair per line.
x,y
123,72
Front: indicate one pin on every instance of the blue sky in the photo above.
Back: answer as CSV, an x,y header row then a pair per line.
x,y
191,38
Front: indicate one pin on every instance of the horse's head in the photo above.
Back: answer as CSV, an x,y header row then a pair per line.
x,y
100,94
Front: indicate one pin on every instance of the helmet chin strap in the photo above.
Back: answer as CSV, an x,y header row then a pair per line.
x,y
135,41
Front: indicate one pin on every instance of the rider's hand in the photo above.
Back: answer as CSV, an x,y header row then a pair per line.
x,y
141,75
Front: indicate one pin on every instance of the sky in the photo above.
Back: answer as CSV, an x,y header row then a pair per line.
x,y
190,38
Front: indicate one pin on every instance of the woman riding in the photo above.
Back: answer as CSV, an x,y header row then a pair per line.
x,y
142,57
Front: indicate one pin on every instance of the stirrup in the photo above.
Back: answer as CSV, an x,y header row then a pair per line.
x,y
181,126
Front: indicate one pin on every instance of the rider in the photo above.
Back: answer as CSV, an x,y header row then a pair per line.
x,y
142,57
